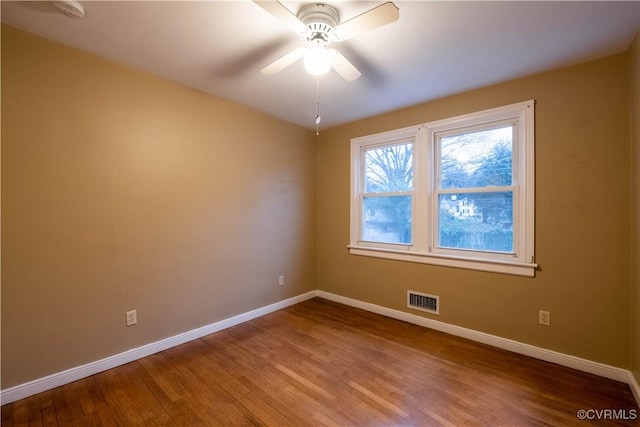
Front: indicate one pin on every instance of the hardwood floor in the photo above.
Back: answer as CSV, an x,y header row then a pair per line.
x,y
326,364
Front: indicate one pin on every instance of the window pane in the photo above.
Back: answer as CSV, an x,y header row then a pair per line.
x,y
478,221
387,219
477,159
389,169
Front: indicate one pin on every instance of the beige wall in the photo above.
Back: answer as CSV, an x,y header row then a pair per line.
x,y
121,191
635,141
582,219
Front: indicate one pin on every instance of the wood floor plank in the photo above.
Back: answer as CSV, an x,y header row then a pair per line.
x,y
305,382
378,399
48,409
320,363
34,413
104,414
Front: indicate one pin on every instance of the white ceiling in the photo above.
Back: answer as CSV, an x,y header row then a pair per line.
x,y
435,49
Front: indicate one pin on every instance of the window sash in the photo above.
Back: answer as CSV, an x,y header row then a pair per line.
x,y
392,245
437,147
363,163
437,248
473,123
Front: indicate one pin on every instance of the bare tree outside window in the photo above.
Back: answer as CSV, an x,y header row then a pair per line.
x,y
387,202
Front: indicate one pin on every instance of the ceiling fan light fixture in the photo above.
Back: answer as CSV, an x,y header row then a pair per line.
x,y
318,59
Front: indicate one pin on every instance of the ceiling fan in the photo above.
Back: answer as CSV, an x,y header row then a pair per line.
x,y
319,25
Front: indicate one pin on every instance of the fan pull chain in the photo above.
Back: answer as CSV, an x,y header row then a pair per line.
x,y
318,118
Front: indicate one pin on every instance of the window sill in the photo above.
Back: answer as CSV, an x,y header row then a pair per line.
x,y
493,266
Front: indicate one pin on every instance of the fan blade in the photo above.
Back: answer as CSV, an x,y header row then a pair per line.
x,y
283,62
282,14
384,14
344,67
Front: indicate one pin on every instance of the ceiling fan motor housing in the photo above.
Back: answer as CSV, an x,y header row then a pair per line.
x,y
320,20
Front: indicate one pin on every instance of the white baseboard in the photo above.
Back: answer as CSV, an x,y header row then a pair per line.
x,y
47,383
574,362
61,378
635,388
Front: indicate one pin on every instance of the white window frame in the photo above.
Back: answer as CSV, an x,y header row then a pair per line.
x,y
423,247
402,136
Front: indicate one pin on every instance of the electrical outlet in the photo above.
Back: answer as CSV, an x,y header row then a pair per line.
x,y
281,281
132,318
544,318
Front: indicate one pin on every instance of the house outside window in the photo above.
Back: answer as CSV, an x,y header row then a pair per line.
x,y
457,192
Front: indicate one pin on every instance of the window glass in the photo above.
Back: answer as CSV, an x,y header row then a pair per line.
x,y
476,221
386,203
477,159
387,219
389,168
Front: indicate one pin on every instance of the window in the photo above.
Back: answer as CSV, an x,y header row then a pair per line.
x,y
387,195
457,192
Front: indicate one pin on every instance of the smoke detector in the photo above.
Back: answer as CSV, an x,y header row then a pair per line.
x,y
71,8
